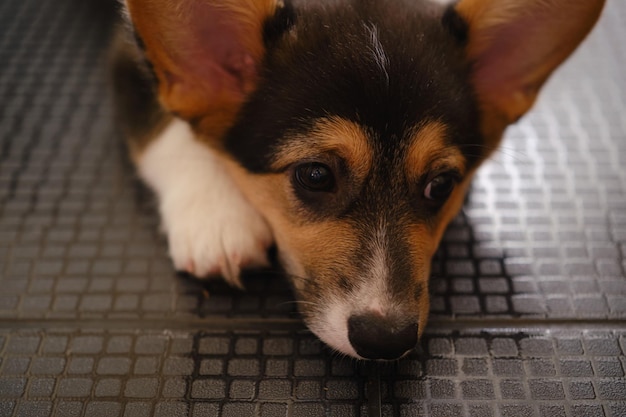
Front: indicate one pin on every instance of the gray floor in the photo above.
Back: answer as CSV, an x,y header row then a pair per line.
x,y
529,289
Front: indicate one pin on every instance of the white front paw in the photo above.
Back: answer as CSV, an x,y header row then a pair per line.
x,y
212,238
212,229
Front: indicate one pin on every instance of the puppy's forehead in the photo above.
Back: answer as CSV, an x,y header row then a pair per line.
x,y
385,69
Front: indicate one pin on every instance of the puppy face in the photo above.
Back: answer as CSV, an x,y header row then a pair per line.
x,y
354,128
356,229
358,158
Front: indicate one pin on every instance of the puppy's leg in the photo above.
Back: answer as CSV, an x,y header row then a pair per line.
x,y
212,229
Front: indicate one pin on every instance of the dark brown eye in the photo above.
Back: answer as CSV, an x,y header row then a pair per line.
x,y
440,188
314,177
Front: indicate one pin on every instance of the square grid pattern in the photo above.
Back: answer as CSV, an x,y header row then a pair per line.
x,y
528,288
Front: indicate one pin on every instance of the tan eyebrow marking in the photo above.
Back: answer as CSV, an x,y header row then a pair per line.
x,y
428,146
330,135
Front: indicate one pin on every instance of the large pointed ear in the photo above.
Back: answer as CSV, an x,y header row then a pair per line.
x,y
205,54
514,45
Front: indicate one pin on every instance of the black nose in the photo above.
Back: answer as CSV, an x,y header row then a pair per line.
x,y
377,337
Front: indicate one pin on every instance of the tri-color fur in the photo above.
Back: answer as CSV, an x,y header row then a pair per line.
x,y
344,131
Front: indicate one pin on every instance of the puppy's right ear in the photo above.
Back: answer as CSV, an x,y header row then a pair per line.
x,y
205,54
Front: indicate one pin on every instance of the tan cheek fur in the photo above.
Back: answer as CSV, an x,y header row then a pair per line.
x,y
324,247
425,241
451,208
423,247
427,152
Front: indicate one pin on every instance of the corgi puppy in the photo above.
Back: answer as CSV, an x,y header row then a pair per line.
x,y
345,132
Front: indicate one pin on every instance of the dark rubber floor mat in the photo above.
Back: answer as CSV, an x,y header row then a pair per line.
x,y
96,372
528,289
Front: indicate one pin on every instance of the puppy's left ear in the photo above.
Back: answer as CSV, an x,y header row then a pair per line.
x,y
204,53
514,45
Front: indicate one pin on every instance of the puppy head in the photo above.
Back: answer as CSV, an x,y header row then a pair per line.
x,y
357,217
354,127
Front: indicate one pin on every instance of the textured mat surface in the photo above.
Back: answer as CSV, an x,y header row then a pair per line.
x,y
528,292
275,373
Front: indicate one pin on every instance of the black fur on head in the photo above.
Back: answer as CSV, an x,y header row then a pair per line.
x,y
387,65
281,22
